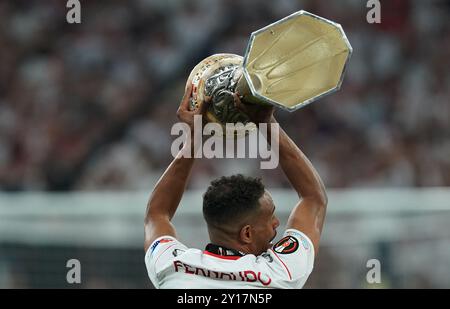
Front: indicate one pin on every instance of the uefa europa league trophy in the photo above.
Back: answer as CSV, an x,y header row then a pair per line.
x,y
289,64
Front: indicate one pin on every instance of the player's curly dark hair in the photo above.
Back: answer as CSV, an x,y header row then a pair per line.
x,y
228,198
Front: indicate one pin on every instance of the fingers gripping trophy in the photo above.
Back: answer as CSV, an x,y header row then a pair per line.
x,y
288,64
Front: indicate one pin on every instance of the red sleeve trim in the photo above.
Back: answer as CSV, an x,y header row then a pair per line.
x,y
163,252
287,269
224,257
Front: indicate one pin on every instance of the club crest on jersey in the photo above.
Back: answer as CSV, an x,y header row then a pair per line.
x,y
286,245
301,237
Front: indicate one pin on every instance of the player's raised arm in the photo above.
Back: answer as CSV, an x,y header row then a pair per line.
x,y
169,189
309,214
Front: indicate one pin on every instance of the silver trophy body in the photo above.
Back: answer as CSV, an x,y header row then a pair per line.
x,y
288,64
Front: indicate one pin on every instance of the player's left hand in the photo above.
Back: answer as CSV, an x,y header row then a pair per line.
x,y
186,115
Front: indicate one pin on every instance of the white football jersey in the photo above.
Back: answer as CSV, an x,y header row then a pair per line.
x,y
288,264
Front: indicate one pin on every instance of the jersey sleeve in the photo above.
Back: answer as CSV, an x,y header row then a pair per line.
x,y
294,257
160,254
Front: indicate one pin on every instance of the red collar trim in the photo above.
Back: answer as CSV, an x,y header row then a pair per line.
x,y
224,257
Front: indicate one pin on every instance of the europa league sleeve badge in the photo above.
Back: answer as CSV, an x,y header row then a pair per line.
x,y
289,64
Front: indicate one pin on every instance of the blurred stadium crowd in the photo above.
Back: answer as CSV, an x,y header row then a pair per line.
x,y
90,106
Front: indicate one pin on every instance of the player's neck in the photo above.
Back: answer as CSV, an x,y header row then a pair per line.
x,y
224,239
231,244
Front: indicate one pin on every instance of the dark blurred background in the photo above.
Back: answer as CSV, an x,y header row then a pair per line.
x,y
89,107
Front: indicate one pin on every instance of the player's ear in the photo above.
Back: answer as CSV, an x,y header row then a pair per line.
x,y
245,234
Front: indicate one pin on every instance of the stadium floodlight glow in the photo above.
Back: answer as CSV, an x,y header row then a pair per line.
x,y
288,64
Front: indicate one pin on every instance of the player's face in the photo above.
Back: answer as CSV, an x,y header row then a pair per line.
x,y
266,224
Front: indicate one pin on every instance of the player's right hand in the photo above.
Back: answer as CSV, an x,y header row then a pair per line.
x,y
257,113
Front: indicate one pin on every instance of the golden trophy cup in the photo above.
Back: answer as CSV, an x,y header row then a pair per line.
x,y
289,64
